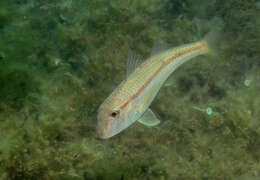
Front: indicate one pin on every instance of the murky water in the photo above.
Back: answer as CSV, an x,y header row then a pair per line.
x,y
60,59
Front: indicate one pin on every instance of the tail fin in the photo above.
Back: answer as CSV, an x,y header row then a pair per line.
x,y
213,37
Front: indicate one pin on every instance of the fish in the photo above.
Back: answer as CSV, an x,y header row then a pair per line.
x,y
130,100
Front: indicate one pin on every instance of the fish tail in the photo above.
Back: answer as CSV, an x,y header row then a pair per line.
x,y
213,37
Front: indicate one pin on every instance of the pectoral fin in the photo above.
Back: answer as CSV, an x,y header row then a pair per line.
x,y
149,119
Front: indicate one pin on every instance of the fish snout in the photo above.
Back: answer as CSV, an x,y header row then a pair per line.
x,y
103,126
100,127
100,132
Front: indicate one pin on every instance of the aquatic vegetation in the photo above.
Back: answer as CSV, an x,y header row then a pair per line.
x,y
60,59
15,86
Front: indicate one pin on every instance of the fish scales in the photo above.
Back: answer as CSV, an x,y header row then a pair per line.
x,y
155,64
134,95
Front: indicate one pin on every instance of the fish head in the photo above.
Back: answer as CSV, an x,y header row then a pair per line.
x,y
112,118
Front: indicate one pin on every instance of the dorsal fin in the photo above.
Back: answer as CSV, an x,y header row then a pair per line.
x,y
159,46
132,62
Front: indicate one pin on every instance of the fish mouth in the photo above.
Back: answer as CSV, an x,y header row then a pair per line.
x,y
105,133
102,130
102,134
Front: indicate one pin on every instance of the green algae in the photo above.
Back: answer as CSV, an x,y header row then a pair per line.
x,y
15,87
60,59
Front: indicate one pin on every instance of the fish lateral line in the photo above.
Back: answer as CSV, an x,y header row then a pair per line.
x,y
168,61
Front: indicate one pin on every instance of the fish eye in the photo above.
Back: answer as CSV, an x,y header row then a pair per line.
x,y
114,113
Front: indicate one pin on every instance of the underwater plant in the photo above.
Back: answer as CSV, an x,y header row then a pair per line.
x,y
60,59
